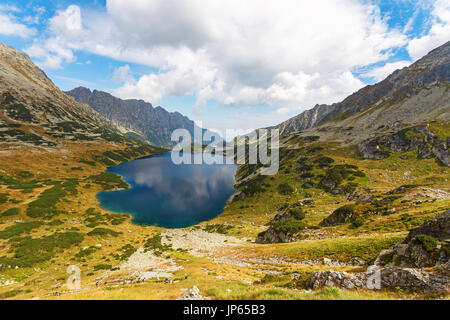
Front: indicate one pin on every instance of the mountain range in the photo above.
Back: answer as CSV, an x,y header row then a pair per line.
x,y
36,112
154,123
411,95
362,189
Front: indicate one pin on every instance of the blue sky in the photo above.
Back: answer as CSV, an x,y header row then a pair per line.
x,y
228,64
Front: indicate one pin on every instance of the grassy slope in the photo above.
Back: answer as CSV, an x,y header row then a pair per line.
x,y
247,218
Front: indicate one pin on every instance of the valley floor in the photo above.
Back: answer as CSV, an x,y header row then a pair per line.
x,y
219,257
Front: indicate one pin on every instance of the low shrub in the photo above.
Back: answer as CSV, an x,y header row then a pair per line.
x,y
428,243
3,197
297,213
284,189
88,162
103,232
155,243
109,181
25,175
218,228
323,161
288,225
357,222
103,267
125,252
86,252
10,212
28,251
10,294
19,229
45,204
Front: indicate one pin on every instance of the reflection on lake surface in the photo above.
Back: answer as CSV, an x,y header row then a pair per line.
x,y
169,195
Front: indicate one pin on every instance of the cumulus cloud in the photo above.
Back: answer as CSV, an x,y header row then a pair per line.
x,y
68,22
51,54
10,26
183,73
122,74
244,53
36,18
438,34
291,54
382,72
67,29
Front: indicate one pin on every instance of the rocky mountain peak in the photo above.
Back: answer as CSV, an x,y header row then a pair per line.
x,y
155,123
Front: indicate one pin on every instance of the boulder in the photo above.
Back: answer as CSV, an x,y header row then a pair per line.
x,y
192,293
416,280
271,236
360,196
412,254
409,265
344,280
441,152
438,228
239,195
341,215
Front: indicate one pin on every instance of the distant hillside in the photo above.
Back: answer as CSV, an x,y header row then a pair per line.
x,y
155,123
305,120
34,112
414,94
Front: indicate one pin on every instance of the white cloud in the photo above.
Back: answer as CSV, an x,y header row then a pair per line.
x,y
36,19
10,26
237,53
68,22
122,74
9,8
51,54
283,110
67,29
290,54
382,72
439,32
183,73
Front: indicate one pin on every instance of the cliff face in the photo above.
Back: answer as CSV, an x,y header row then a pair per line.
x,y
155,123
305,120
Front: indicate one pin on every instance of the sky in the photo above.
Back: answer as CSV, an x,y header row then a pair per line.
x,y
229,64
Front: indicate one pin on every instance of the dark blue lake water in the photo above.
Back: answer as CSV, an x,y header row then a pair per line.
x,y
169,195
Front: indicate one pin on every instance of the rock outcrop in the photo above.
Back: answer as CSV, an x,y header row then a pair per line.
x,y
420,248
237,196
192,293
388,278
418,138
284,227
305,120
273,236
330,278
341,215
410,265
438,228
